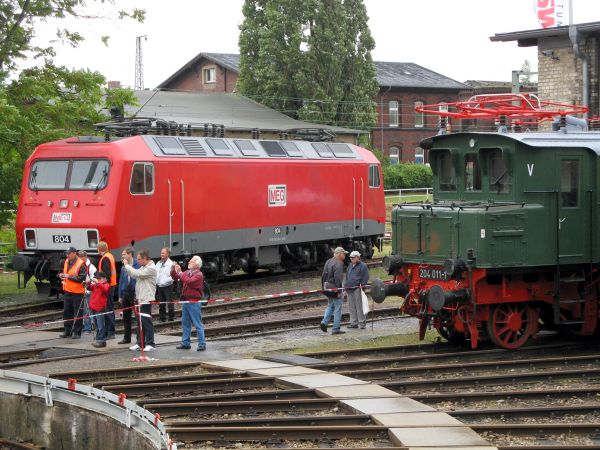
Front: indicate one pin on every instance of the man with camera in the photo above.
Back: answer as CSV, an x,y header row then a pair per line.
x,y
73,279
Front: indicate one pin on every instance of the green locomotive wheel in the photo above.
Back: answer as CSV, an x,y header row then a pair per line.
x,y
511,324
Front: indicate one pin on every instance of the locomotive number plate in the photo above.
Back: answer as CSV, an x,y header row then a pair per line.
x,y
61,238
433,274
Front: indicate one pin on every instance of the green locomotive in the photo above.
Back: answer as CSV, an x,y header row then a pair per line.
x,y
509,244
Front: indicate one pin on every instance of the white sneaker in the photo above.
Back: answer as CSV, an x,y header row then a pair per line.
x,y
148,348
135,347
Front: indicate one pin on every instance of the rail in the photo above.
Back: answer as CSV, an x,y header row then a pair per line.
x,y
413,192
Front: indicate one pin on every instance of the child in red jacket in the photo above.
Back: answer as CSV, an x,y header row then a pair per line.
x,y
98,301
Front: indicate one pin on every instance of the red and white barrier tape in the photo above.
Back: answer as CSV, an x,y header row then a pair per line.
x,y
217,300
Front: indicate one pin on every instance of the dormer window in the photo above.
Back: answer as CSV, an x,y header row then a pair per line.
x,y
210,75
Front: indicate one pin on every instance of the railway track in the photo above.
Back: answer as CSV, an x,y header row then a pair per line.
x,y
252,411
229,319
543,396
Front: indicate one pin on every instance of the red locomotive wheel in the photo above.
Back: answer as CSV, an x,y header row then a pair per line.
x,y
511,324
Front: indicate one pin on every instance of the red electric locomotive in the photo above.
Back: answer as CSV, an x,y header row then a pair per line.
x,y
240,203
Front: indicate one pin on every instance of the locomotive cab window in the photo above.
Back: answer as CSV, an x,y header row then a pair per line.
x,y
498,172
142,179
569,183
374,180
472,172
75,174
89,174
447,172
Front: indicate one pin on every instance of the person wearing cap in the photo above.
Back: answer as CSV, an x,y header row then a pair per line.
x,y
91,270
98,304
357,276
333,277
73,279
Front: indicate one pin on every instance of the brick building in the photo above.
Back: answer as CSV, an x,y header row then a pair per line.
x,y
402,86
568,60
209,72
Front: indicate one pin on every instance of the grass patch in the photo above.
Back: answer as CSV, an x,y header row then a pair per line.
x,y
8,285
383,341
407,198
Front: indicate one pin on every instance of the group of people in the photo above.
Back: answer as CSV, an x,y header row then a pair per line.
x,y
90,292
336,290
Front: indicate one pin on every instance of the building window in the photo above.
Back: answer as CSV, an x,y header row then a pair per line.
x,y
419,156
444,108
393,107
394,155
419,118
210,75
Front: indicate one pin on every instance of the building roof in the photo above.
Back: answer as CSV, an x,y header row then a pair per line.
x,y
227,60
503,85
395,74
410,75
231,110
530,38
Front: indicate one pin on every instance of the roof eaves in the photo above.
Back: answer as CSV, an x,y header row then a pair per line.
x,y
529,38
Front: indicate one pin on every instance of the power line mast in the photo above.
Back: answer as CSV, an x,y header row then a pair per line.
x,y
139,66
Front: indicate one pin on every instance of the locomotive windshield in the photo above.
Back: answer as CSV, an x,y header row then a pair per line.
x,y
499,179
74,174
447,172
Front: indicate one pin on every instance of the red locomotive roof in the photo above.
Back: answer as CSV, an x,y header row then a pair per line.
x,y
137,148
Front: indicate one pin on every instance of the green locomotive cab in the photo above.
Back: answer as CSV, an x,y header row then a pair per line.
x,y
508,245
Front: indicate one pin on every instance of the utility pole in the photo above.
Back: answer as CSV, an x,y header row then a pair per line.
x,y
139,66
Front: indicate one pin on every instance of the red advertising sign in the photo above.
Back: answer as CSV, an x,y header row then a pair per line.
x,y
551,13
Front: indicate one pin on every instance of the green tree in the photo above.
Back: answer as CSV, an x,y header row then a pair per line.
x,y
47,102
18,19
310,60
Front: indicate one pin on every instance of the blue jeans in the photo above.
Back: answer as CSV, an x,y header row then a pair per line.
x,y
190,313
334,308
100,326
87,322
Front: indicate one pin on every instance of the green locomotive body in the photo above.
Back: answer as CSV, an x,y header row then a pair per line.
x,y
509,243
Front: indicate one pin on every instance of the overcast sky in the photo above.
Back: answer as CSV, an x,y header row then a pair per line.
x,y
449,37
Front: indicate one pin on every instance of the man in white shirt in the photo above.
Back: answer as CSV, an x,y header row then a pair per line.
x,y
164,286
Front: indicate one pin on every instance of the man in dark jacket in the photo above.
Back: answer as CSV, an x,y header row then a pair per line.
x,y
127,294
333,276
357,276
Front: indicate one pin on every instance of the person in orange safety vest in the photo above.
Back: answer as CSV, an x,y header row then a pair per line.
x,y
73,279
